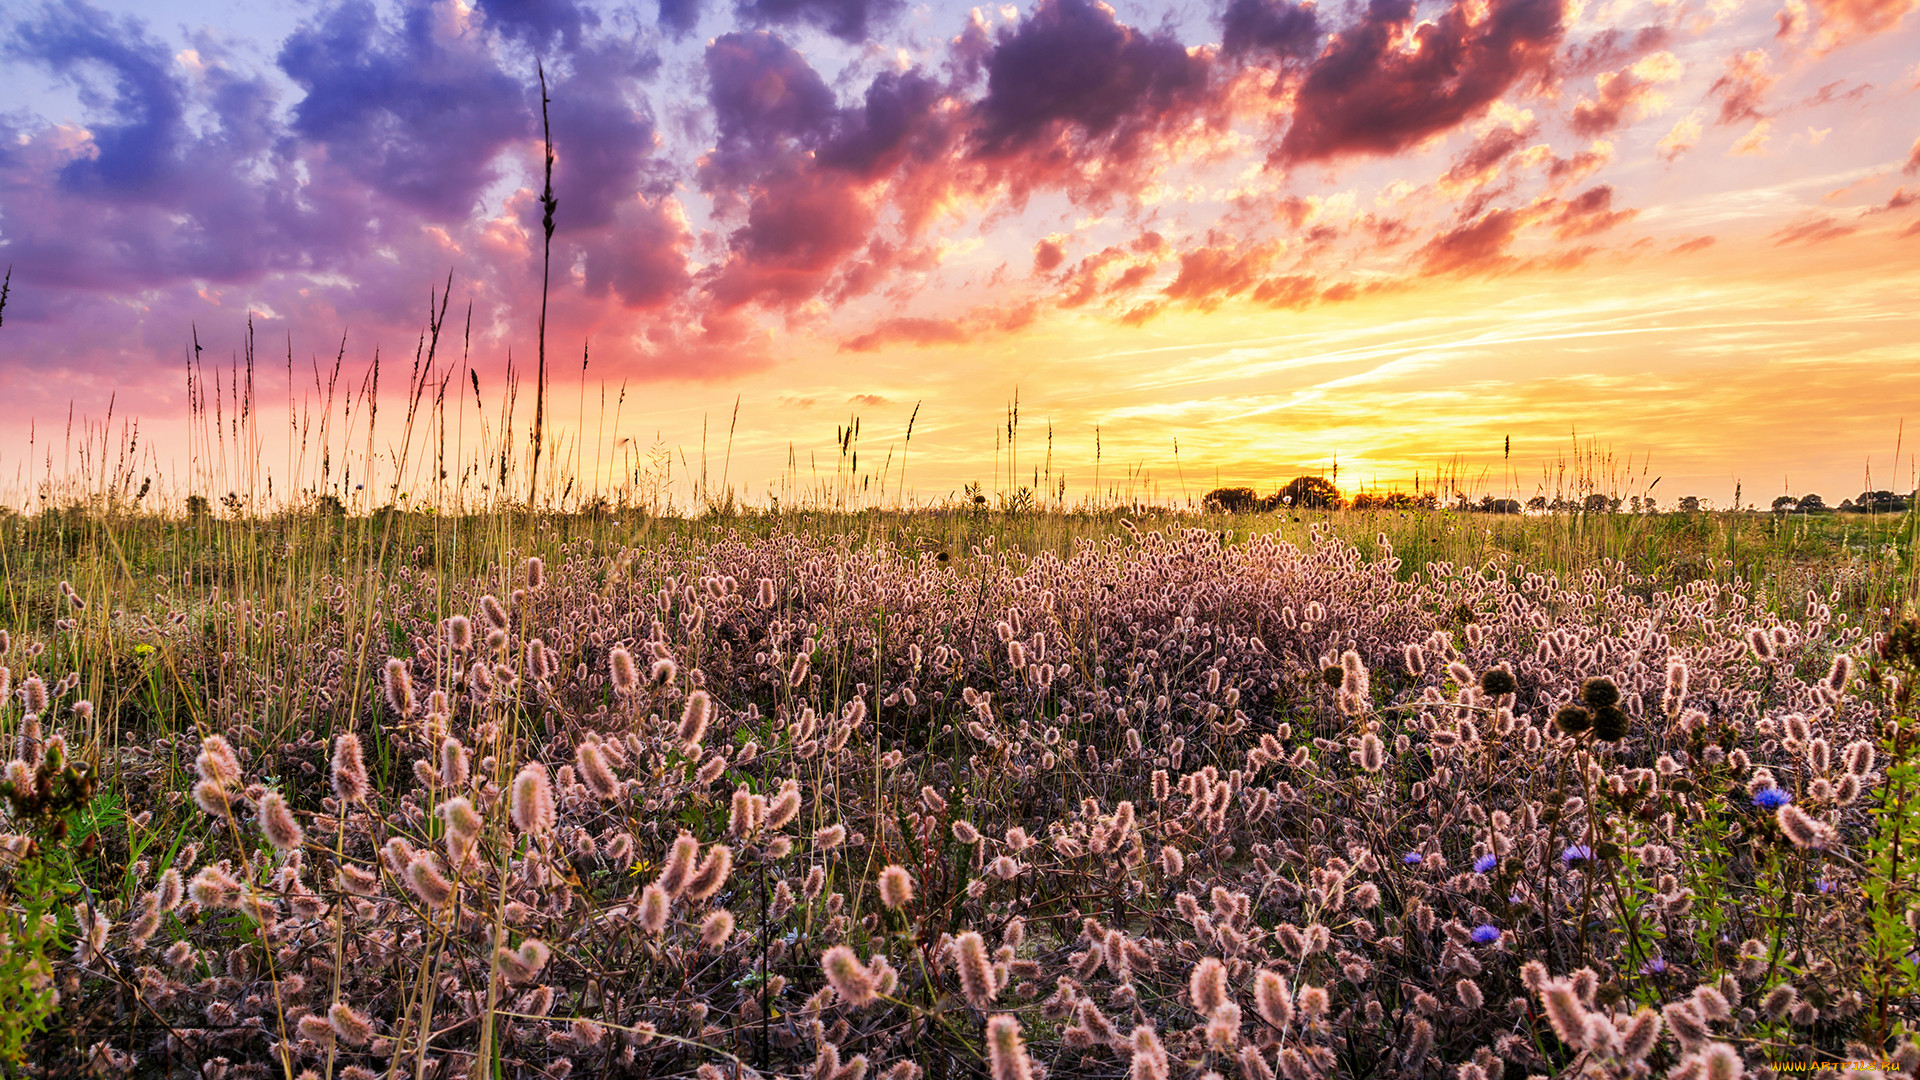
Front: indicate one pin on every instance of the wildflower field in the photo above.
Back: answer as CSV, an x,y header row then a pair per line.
x,y
956,794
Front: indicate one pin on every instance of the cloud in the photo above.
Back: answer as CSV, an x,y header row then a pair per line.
x,y
679,16
1589,213
1369,93
1913,160
1477,247
1625,95
848,20
1812,230
987,320
1691,245
1742,87
766,100
1843,20
1684,136
1048,254
1216,273
540,23
416,112
1072,85
1269,28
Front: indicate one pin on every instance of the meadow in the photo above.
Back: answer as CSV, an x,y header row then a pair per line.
x,y
959,791
446,782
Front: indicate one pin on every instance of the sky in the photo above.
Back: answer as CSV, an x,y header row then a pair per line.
x,y
1484,245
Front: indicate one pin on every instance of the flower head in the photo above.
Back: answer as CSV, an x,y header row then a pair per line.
x,y
1413,858
1485,934
1485,863
1576,853
1772,798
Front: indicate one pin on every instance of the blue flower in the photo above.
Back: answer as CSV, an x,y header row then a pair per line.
x,y
1576,853
1771,798
1655,966
1412,858
1485,863
1824,885
1485,934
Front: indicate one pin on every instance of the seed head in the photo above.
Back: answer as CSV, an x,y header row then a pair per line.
x,y
349,769
716,928
495,614
1610,723
654,903
36,694
1599,692
424,878
1572,719
1207,985
532,809
1006,1054
1149,1057
460,633
277,823
536,572
620,667
350,1027
896,887
848,976
594,771
1802,829
678,865
712,874
693,718
453,763
977,980
1272,1000
1497,681
399,687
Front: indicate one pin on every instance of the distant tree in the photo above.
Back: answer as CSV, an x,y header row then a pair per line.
x,y
1810,504
330,506
1594,504
1690,504
1785,504
1504,506
1232,500
1367,500
1312,493
1537,504
1879,502
198,506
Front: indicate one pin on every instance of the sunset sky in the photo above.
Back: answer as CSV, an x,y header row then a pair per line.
x,y
1394,234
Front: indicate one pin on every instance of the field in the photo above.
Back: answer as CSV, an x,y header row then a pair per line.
x,y
957,792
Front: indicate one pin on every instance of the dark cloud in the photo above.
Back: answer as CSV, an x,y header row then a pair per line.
x,y
603,137
848,20
872,139
766,101
1273,28
679,16
1477,247
415,115
1620,96
1366,94
1073,80
540,23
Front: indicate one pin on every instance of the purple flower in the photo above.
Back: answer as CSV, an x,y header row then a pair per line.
x,y
1485,934
1485,863
1576,853
1412,858
1824,885
1655,966
1772,798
